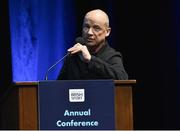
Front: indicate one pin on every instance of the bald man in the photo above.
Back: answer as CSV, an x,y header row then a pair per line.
x,y
96,59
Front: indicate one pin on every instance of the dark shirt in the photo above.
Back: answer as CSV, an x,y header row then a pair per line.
x,y
106,64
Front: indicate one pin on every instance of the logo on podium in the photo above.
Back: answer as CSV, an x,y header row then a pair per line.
x,y
76,95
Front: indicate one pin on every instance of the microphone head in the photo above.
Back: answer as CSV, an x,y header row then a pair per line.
x,y
80,40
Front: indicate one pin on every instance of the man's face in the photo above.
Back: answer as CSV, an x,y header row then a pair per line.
x,y
94,30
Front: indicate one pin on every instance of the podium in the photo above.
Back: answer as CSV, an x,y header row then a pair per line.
x,y
20,108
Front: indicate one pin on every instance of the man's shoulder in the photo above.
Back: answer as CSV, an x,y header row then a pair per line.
x,y
111,51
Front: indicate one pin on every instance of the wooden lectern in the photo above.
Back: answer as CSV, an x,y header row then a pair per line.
x,y
20,107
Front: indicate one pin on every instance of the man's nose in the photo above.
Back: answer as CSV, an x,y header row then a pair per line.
x,y
90,31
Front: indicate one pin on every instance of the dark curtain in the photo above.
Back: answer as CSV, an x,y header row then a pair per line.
x,y
5,57
169,59
147,33
5,48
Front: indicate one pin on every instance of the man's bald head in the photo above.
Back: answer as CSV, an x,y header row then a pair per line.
x,y
99,15
95,29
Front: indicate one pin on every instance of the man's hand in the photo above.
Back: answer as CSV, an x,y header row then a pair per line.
x,y
81,48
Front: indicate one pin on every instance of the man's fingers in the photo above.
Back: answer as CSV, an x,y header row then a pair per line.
x,y
75,51
76,48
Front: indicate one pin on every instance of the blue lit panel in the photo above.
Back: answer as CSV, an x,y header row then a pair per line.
x,y
37,37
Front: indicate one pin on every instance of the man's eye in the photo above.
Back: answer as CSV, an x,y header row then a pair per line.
x,y
97,28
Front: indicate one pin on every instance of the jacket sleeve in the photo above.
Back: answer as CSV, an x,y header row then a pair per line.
x,y
111,68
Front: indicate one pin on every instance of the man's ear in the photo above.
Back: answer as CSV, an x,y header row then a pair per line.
x,y
108,31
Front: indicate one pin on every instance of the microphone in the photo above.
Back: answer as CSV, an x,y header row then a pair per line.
x,y
50,68
78,40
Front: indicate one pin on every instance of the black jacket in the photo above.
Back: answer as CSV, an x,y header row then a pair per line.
x,y
106,64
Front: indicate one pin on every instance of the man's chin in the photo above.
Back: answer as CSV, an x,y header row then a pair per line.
x,y
90,44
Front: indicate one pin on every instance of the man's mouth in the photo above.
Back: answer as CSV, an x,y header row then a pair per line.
x,y
90,40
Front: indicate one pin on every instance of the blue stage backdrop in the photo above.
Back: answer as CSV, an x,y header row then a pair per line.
x,y
41,32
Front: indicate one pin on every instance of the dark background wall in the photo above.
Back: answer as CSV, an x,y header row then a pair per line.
x,y
5,54
5,47
147,35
